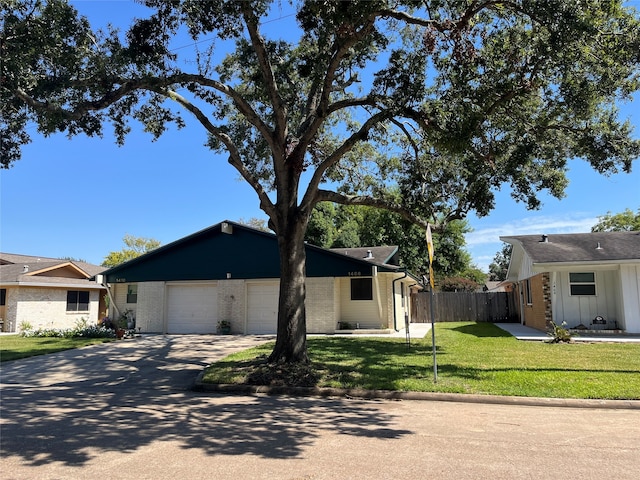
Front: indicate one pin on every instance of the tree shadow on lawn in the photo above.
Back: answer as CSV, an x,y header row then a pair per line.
x,y
481,330
371,363
88,406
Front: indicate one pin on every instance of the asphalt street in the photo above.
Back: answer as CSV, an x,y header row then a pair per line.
x,y
126,410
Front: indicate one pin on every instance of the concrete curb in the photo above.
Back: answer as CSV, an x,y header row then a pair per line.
x,y
200,386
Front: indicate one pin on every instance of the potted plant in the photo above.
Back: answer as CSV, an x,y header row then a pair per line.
x,y
224,327
124,323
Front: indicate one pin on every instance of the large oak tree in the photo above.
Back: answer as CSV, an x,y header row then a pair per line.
x,y
445,100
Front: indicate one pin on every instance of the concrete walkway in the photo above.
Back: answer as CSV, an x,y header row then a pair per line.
x,y
522,332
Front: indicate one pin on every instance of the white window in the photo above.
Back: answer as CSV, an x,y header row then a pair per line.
x,y
582,283
77,301
132,293
527,292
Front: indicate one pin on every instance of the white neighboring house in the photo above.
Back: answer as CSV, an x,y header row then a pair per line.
x,y
48,292
587,280
230,272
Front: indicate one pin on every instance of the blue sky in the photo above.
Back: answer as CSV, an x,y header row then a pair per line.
x,y
78,198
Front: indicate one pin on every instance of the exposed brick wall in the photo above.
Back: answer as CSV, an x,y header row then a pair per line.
x,y
150,307
47,308
321,316
231,303
538,313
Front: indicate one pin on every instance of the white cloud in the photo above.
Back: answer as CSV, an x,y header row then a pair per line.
x,y
571,223
484,242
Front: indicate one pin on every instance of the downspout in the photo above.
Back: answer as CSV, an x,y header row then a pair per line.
x,y
521,301
112,301
393,293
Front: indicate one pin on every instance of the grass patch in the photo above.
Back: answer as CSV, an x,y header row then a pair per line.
x,y
13,347
476,358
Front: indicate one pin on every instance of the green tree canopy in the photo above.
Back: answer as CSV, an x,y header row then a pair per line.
x,y
499,268
626,221
447,100
332,226
134,247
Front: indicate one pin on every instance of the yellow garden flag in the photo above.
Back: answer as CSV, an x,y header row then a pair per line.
x,y
430,249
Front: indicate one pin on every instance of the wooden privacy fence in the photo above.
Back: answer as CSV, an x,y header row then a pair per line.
x,y
464,307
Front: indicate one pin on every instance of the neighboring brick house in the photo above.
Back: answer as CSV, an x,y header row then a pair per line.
x,y
586,280
47,292
231,272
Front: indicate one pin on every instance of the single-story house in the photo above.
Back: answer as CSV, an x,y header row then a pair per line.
x,y
231,272
48,292
586,280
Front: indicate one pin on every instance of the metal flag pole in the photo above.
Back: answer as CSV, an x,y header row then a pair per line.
x,y
433,332
432,284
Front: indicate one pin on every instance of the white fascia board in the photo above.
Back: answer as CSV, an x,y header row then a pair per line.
x,y
592,265
75,286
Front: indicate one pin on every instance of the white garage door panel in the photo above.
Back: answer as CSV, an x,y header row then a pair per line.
x,y
262,311
192,308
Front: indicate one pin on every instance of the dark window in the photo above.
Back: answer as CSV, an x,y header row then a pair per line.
x,y
527,291
77,301
132,294
361,289
582,283
3,297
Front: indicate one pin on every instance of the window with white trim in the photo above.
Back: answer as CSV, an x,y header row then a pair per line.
x,y
582,283
132,293
527,292
77,301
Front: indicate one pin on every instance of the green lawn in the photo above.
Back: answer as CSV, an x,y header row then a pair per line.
x,y
15,346
472,358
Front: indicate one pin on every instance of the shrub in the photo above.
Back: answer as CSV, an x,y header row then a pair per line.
x,y
80,330
559,333
458,284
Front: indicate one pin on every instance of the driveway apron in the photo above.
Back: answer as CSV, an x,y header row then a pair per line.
x,y
125,411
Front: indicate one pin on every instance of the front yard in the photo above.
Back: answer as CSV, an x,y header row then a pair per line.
x,y
474,358
13,347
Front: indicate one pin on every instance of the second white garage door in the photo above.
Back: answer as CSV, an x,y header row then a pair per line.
x,y
192,308
262,308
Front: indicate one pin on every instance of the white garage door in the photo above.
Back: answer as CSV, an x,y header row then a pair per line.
x,y
192,308
262,308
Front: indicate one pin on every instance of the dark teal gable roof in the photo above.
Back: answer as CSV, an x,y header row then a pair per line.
x,y
243,253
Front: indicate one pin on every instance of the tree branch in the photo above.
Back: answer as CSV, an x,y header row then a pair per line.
x,y
309,199
234,156
331,196
279,107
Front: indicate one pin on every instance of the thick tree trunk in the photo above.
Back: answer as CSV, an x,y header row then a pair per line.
x,y
291,343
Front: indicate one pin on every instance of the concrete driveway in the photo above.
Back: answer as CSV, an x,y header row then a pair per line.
x,y
124,411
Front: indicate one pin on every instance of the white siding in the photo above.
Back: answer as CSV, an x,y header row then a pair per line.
x,y
582,309
630,315
364,313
